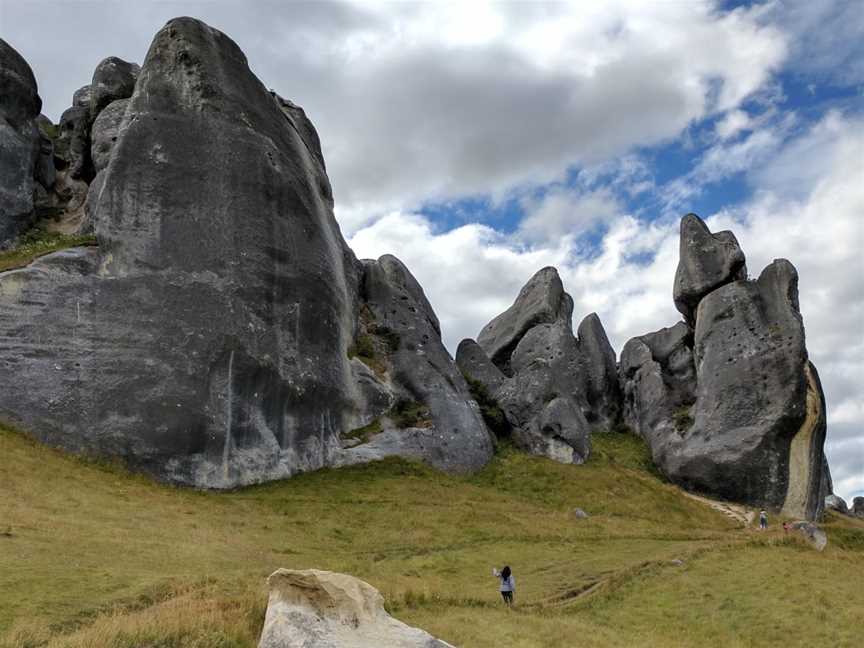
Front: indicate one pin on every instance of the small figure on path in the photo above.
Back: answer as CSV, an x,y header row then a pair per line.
x,y
508,584
763,520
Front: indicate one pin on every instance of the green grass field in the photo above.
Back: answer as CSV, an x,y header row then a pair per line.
x,y
93,556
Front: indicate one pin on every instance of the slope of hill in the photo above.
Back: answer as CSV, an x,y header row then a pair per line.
x,y
91,555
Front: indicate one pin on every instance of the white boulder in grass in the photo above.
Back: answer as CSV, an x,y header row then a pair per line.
x,y
321,609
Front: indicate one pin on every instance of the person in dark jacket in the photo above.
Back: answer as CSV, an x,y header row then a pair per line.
x,y
508,584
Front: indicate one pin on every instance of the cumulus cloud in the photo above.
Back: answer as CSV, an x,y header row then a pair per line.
x,y
813,217
420,101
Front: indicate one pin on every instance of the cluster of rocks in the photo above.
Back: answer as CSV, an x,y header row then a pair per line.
x,y
553,387
325,609
728,400
838,505
222,333
49,171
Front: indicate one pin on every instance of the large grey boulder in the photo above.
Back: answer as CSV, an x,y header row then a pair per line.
x,y
19,142
857,508
541,301
81,97
759,419
205,340
324,609
72,146
104,133
113,79
706,262
474,363
433,416
212,339
837,504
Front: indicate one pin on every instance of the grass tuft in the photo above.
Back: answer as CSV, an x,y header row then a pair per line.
x,y
37,242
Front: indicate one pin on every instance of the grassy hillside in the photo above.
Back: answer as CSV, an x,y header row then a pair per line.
x,y
93,556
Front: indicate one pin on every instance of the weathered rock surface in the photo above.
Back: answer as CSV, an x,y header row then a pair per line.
x,y
837,504
706,262
541,301
113,79
734,408
19,142
104,133
857,508
553,388
329,610
658,379
600,373
72,145
473,362
442,425
81,97
206,339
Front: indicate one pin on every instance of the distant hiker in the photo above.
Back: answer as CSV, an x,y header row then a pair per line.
x,y
508,584
787,526
763,520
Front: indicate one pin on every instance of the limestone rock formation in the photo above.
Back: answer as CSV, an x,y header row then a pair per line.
x,y
837,504
733,408
857,508
113,79
553,387
19,142
207,339
706,262
429,412
329,610
541,301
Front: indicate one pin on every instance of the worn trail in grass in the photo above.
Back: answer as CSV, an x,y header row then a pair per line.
x,y
90,555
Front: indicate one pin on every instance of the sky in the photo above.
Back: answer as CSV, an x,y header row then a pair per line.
x,y
480,142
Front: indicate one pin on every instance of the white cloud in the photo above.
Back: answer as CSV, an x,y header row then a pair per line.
x,y
421,101
471,274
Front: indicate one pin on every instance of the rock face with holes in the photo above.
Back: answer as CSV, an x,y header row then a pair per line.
x,y
732,407
553,387
329,610
208,340
20,143
706,262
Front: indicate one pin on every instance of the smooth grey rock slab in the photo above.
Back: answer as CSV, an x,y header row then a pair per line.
x,y
706,262
541,301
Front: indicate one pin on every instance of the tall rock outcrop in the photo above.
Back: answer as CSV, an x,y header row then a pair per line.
x,y
733,408
206,340
19,142
553,387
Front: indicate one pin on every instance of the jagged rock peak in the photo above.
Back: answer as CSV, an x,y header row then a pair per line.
x,y
706,262
541,301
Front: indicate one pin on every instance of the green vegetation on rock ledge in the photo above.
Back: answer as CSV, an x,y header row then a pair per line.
x,y
93,556
38,242
490,410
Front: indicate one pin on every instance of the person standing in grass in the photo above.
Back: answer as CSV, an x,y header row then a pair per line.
x,y
763,520
508,584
